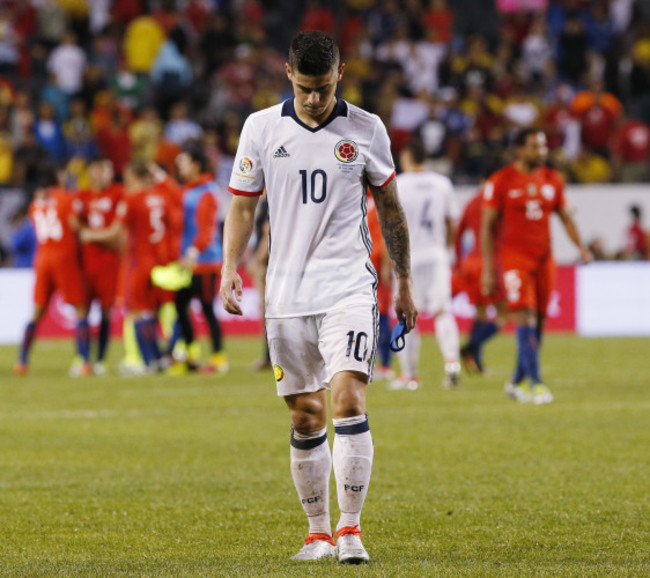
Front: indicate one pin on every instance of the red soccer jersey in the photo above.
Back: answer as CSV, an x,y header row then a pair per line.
x,y
144,215
51,218
97,211
632,142
470,221
525,203
173,194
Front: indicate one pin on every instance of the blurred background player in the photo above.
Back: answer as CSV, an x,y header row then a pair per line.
x,y
467,276
381,262
143,216
636,239
431,213
257,266
101,261
521,197
200,252
57,266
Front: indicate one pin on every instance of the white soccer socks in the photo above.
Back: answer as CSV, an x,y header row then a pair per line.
x,y
447,335
409,357
311,466
352,456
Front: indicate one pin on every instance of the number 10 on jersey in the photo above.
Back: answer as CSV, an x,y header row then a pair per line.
x,y
316,188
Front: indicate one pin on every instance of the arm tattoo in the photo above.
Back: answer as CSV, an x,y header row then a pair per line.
x,y
393,227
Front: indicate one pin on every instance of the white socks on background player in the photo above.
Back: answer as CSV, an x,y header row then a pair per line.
x,y
311,465
447,335
409,357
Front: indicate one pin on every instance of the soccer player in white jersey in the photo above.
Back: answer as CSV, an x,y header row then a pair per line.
x,y
315,154
431,213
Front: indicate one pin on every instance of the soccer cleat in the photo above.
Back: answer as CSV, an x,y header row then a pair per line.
x,y
541,394
99,369
452,375
171,277
80,368
218,363
132,369
404,382
470,361
21,369
262,364
384,373
317,546
521,393
351,550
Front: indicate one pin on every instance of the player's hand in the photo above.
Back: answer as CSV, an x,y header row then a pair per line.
x,y
488,281
84,234
404,305
231,291
586,255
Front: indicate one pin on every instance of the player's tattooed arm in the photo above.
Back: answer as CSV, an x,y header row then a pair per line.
x,y
393,227
396,235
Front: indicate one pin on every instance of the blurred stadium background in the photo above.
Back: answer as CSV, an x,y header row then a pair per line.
x,y
136,78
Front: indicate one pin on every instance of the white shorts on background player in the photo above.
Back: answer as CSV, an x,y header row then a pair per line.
x,y
432,286
308,351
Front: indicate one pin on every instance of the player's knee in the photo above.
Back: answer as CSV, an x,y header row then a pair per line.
x,y
308,414
348,402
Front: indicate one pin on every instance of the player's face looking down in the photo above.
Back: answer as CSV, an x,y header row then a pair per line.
x,y
534,151
315,96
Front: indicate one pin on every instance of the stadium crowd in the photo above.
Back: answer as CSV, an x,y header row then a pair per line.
x,y
134,79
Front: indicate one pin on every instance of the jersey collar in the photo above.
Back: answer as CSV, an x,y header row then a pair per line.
x,y
340,109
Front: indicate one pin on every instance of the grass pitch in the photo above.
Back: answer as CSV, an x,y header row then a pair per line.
x,y
163,476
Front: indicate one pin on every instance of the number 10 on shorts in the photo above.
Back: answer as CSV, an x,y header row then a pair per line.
x,y
358,345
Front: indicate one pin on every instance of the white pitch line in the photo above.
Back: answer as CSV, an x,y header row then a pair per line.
x,y
83,414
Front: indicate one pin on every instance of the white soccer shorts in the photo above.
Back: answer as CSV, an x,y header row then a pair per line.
x,y
308,351
432,287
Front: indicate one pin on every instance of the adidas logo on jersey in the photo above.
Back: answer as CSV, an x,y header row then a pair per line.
x,y
281,153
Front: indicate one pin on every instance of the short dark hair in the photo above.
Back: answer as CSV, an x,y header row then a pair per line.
x,y
522,136
140,169
196,152
416,147
47,176
636,211
313,53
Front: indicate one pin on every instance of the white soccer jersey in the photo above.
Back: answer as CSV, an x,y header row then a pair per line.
x,y
316,187
428,200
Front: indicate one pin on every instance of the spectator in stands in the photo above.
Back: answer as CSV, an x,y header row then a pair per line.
x,y
9,42
597,111
29,158
631,150
572,49
67,63
180,127
114,141
6,157
589,167
22,240
636,238
145,133
128,87
49,133
142,40
22,117
439,19
79,135
171,74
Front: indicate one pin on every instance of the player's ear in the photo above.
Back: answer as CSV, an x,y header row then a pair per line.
x,y
287,69
341,69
